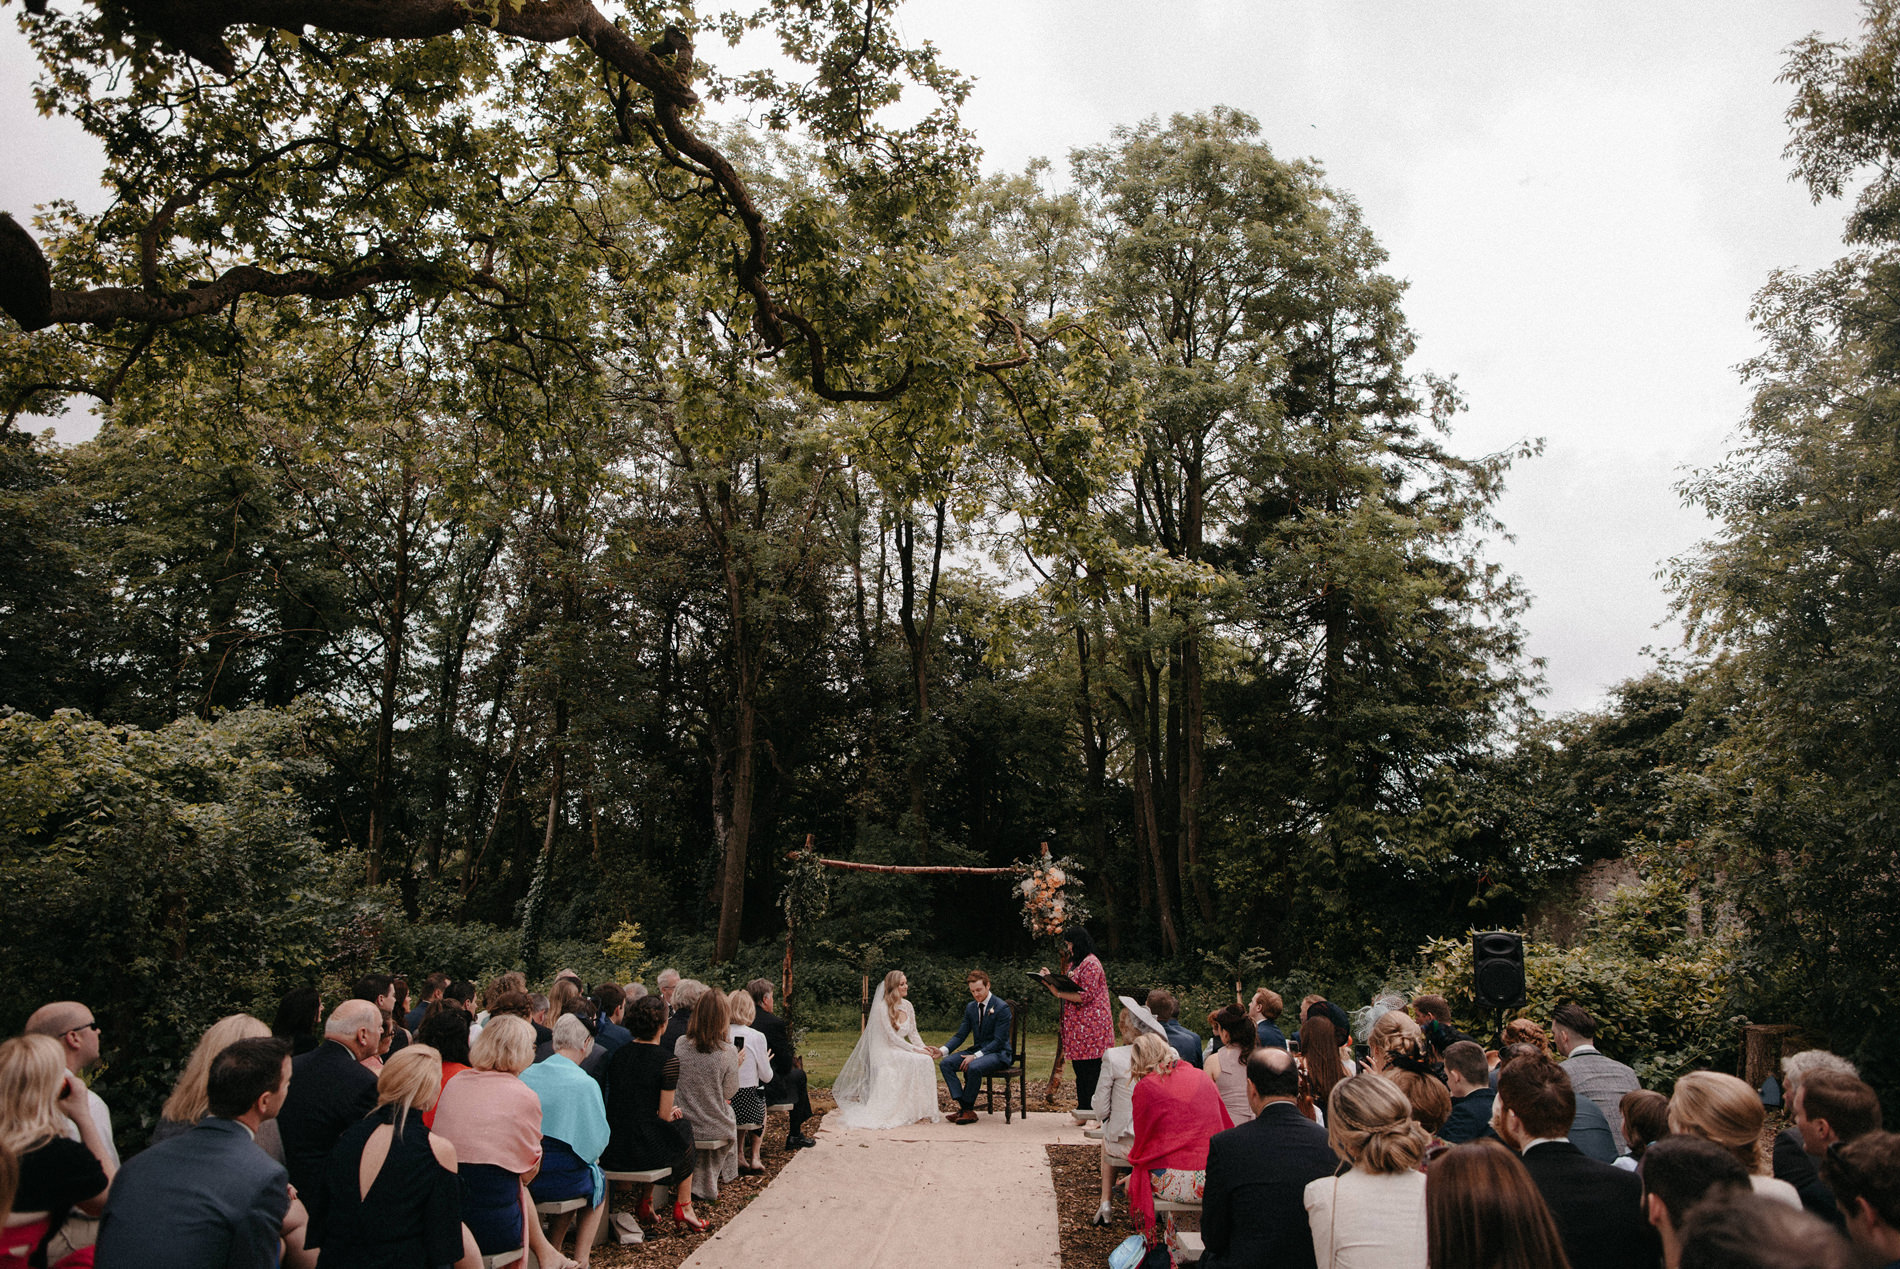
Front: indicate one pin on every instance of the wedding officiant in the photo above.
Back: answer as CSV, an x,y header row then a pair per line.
x,y
1088,1022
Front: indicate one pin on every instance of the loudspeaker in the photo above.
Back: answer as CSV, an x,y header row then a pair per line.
x,y
1497,969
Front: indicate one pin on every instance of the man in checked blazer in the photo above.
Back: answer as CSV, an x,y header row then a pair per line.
x,y
1602,1079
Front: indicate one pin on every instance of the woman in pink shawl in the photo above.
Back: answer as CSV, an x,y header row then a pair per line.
x,y
1177,1109
494,1122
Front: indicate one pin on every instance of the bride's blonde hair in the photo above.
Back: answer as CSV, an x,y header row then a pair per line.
x,y
891,980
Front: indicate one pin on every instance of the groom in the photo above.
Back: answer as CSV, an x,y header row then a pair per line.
x,y
986,1023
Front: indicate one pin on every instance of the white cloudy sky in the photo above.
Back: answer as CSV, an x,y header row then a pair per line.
x,y
1584,197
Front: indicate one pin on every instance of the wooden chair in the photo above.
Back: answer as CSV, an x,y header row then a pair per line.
x,y
1017,1075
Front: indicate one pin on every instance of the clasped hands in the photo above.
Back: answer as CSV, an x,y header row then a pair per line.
x,y
937,1051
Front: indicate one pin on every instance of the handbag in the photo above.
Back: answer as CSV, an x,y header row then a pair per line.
x,y
1134,1253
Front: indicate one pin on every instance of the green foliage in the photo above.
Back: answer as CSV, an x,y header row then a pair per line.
x,y
1666,999
166,878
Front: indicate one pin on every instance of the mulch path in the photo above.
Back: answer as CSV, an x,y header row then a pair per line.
x,y
1077,1173
667,1244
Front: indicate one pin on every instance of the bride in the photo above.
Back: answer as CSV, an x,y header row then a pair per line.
x,y
890,1079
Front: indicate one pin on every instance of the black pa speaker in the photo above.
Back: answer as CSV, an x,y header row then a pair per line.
x,y
1497,969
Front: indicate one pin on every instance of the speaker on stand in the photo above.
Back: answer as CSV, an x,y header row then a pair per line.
x,y
1497,972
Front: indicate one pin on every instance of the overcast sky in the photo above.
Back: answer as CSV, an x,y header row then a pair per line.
x,y
1583,197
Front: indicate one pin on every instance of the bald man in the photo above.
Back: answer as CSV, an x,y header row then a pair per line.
x,y
1254,1207
330,1090
73,1025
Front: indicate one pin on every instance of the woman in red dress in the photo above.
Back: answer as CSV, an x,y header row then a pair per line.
x,y
1088,1023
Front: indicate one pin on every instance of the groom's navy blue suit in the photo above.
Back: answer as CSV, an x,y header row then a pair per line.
x,y
987,1026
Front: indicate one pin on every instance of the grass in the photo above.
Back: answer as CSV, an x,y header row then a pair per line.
x,y
825,1051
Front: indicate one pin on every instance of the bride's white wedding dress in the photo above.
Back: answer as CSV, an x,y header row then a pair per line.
x,y
890,1079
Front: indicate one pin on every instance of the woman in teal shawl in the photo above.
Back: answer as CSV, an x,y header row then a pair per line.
x,y
573,1133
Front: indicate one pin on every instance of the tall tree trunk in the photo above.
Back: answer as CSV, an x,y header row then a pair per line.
x,y
455,639
917,639
395,635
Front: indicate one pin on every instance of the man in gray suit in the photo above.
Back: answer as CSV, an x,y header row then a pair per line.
x,y
1602,1079
209,1197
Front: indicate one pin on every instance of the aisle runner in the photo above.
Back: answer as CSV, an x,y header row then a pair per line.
x,y
932,1194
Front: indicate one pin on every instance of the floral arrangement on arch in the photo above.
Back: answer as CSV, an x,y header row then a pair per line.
x,y
1052,895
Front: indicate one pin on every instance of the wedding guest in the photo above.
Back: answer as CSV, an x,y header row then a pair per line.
x,y
1319,1058
403,1034
445,1031
1177,1111
1482,1211
610,1004
1227,1065
1592,1074
1467,1080
408,1213
788,1075
1829,1108
1589,1130
1116,1093
1740,1232
1678,1172
298,1014
755,1072
1163,1005
686,994
189,1103
1645,1116
75,1028
1723,1109
1393,1038
1791,1160
1595,1205
41,1103
1088,1024
433,988
385,1038
329,1090
562,998
378,989
1253,1208
647,1130
1865,1176
708,1081
667,981
1265,1010
494,1122
1433,1015
1372,1215
1518,1031
208,1196
573,1133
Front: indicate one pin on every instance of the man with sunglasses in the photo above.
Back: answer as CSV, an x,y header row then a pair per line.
x,y
73,1025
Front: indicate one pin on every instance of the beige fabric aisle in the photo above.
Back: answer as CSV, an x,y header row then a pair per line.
x,y
935,1194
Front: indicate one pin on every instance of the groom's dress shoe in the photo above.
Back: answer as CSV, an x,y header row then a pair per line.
x,y
798,1141
967,1115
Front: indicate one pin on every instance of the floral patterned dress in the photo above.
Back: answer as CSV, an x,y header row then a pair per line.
x,y
1088,1027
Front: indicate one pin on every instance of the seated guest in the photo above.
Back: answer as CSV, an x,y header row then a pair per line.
x,y
460,995
402,1035
1227,1065
1372,1215
1162,1004
1595,1205
788,1075
1468,1082
1114,1097
41,1102
561,998
1865,1176
573,1133
1428,1098
494,1122
1742,1232
1400,1052
1645,1116
405,1208
1518,1031
189,1102
1723,1109
609,1012
686,994
378,989
298,1014
330,1090
755,1072
647,1130
1320,1063
1829,1107
1253,1209
432,990
1594,1075
1265,1010
445,1031
1790,1160
1678,1173
207,1195
1433,1015
708,1081
385,1038
1589,1130
75,1029
1177,1111
1483,1211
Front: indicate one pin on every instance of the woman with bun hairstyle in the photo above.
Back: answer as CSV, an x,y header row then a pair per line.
x,y
1725,1110
1370,1214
